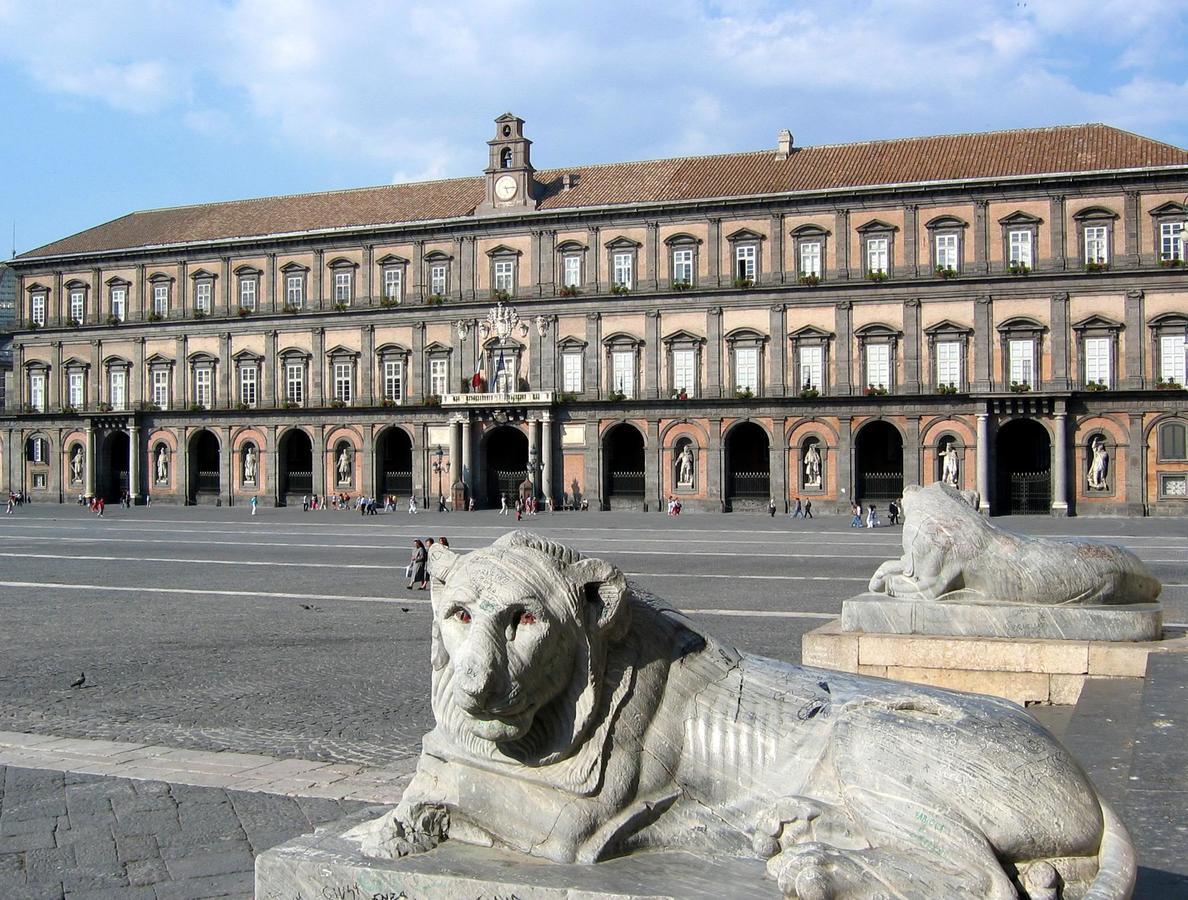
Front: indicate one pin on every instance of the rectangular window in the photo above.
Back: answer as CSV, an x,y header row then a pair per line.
x,y
878,365
117,393
40,451
295,291
948,364
204,387
342,287
393,380
37,391
343,381
1022,361
623,372
1019,243
161,299
295,383
572,276
1171,358
77,305
684,371
438,279
1097,360
37,311
161,388
505,275
571,373
1171,241
202,295
247,385
622,264
247,294
946,251
812,368
745,258
1096,244
439,376
878,251
1173,486
504,381
119,303
682,267
746,369
393,284
810,258
77,386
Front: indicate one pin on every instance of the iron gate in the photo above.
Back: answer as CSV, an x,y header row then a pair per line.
x,y
626,484
299,482
507,483
750,484
880,486
1031,493
398,482
207,481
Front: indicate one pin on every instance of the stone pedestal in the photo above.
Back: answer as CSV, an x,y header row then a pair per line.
x,y
328,864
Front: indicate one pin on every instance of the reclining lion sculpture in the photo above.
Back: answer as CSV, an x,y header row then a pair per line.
x,y
577,720
950,552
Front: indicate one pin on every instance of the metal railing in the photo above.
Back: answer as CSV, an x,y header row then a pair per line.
x,y
625,484
750,484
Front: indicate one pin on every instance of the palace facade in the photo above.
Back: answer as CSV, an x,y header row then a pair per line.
x,y
1005,310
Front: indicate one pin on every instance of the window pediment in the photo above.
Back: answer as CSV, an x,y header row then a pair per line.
x,y
338,351
622,340
36,288
571,343
1018,217
201,358
809,231
683,337
247,356
622,243
75,363
391,259
160,278
875,226
342,262
294,268
745,336
945,221
117,281
948,328
1171,320
684,239
745,234
158,360
571,246
437,256
1097,323
810,333
206,274
244,271
117,362
1021,325
1170,208
1094,212
437,347
75,284
391,349
37,365
509,344
504,250
877,331
294,354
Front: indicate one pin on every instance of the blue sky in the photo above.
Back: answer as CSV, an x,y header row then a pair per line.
x,y
114,106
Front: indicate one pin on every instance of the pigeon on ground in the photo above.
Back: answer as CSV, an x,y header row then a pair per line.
x,y
80,680
309,606
404,609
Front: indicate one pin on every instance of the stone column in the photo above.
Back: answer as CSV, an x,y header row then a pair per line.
x,y
713,349
593,381
652,480
181,465
981,263
841,246
651,378
89,480
592,486
911,346
317,368
844,351
1135,343
546,452
367,365
1056,218
1060,462
134,461
533,450
319,462
6,467
226,483
713,467
1061,377
777,462
225,400
777,327
467,473
911,240
844,460
713,249
271,459
455,454
365,466
1136,468
268,388
911,452
983,342
983,451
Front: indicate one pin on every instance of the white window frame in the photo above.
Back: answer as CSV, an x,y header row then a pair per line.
x,y
204,386
37,309
344,381
746,369
76,390
117,389
393,380
295,290
1019,247
439,375
1171,241
810,258
1172,358
439,279
37,391
1099,353
946,251
1021,361
571,265
504,278
203,296
247,293
249,383
119,303
623,372
78,305
295,383
393,284
623,269
1097,244
682,265
948,363
811,361
344,283
878,365
746,261
161,387
878,255
161,299
571,371
684,370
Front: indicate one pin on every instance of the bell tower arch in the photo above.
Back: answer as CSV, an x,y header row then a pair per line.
x,y
510,186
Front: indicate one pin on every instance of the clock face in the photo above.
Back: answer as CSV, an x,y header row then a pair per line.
x,y
505,187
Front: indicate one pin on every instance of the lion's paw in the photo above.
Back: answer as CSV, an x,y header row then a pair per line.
x,y
403,831
787,823
816,871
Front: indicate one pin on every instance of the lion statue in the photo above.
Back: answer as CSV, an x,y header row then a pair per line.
x,y
577,719
950,552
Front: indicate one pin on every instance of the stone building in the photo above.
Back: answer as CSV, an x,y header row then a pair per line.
x,y
1005,310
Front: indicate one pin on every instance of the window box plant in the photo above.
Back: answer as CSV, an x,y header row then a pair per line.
x,y
682,394
1096,266
288,309
197,407
876,276
200,314
154,316
433,400
113,319
808,392
569,290
1096,386
682,286
337,403
876,390
1018,268
946,388
33,326
288,404
809,278
617,288
242,407
388,403
68,410
435,300
243,312
148,406
500,296
389,302
1020,387
73,323
616,396
743,393
104,407
566,397
1171,263
340,307
1168,385
945,272
743,283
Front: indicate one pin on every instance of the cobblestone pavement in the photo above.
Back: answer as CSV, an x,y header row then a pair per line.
x,y
88,837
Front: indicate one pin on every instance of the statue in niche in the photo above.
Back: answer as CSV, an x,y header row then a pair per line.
x,y
1099,465
949,465
812,466
952,554
619,726
249,465
76,465
685,466
162,465
344,466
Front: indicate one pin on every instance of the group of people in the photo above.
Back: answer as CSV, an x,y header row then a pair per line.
x,y
15,499
869,517
674,506
800,510
418,567
524,506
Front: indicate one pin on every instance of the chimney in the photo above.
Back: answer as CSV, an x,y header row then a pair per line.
x,y
784,144
568,180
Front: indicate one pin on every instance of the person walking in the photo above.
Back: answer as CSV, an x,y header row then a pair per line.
x,y
11,503
856,511
412,506
797,510
893,513
808,509
503,504
416,565
872,517
425,576
255,503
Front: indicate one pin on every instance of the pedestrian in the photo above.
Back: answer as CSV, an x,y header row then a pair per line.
x,y
101,504
470,505
305,503
11,503
412,506
444,541
255,503
416,565
856,511
519,509
797,509
771,507
425,576
872,517
808,509
893,513
503,504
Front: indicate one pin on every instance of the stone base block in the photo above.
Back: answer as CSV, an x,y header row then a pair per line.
x,y
879,613
328,864
1026,670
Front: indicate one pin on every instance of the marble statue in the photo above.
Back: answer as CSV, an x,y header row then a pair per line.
x,y
950,552
949,467
1099,466
344,466
76,466
162,466
812,466
685,466
579,719
249,465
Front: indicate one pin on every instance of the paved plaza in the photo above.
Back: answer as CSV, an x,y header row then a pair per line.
x,y
291,636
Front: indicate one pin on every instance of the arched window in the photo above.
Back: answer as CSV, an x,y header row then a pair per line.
x,y
1172,444
505,158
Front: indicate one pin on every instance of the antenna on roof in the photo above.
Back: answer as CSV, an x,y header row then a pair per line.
x,y
13,254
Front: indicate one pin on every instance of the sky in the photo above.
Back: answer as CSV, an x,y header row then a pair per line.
x,y
109,107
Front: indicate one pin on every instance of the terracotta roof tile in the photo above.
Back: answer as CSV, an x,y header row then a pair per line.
x,y
1042,151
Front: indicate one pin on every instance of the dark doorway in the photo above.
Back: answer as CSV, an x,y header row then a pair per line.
x,y
296,464
748,465
878,463
623,454
1023,461
507,464
204,467
115,467
393,459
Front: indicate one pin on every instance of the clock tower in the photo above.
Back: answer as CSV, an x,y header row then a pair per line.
x,y
509,184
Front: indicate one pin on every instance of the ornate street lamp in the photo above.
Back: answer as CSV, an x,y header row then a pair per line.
x,y
532,460
439,468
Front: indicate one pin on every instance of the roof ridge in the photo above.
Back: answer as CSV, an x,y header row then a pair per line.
x,y
956,134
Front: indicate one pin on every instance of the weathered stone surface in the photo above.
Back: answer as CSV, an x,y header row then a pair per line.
x,y
879,614
577,722
991,655
952,553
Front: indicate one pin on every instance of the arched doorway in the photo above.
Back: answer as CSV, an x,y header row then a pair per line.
x,y
623,475
296,465
204,467
878,463
506,455
748,466
114,472
393,463
1023,469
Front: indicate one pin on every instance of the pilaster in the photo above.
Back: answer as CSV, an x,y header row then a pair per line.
x,y
911,346
593,359
224,399
713,350
841,245
911,231
1058,260
1134,341
775,270
1130,222
651,355
981,248
1060,461
367,367
713,249
983,342
651,258
1061,377
317,373
1136,467
416,395
713,465
778,329
983,461
844,350
268,395
911,452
